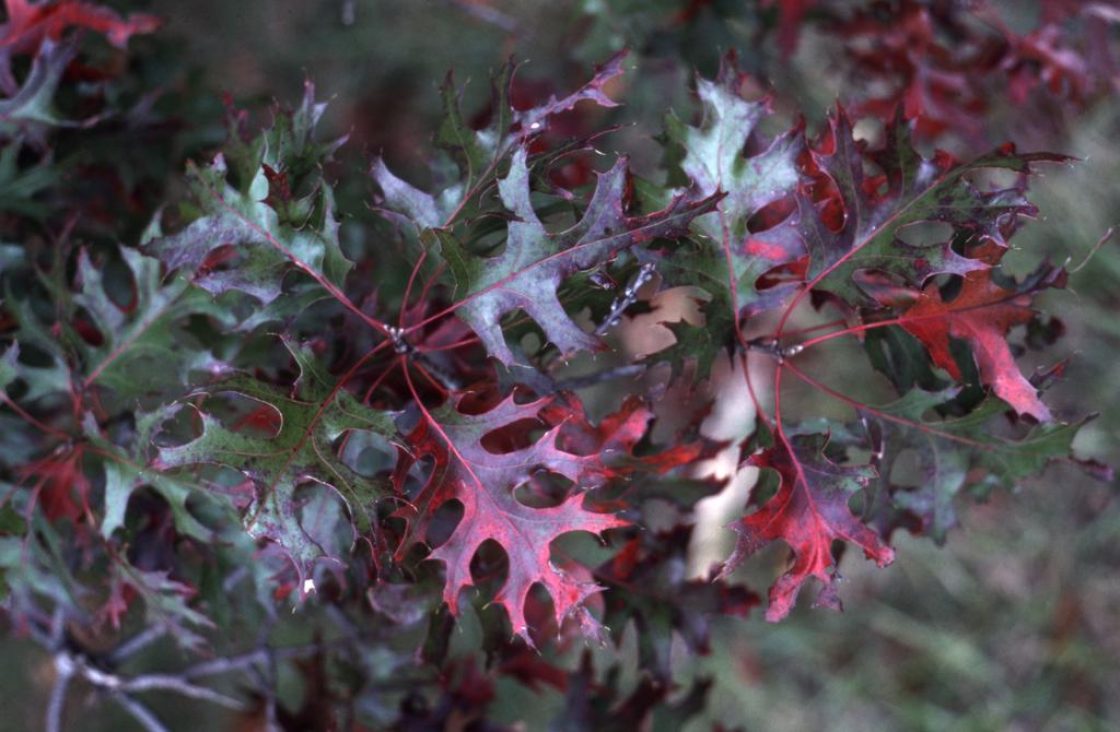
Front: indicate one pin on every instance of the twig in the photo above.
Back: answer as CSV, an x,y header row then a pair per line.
x,y
1096,247
224,665
68,664
175,683
265,675
219,666
58,628
136,643
266,672
140,713
582,382
27,417
64,670
234,578
628,297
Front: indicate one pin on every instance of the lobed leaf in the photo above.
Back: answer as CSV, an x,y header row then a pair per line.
x,y
484,482
310,423
808,512
535,262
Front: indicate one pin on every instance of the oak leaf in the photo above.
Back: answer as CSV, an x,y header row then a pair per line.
x,y
982,313
808,512
535,262
484,483
309,423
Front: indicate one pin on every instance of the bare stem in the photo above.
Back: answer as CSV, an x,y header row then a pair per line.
x,y
64,669
140,713
137,643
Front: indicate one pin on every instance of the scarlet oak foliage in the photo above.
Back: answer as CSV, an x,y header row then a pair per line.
x,y
947,64
833,218
981,313
29,24
368,420
251,217
535,263
908,190
286,444
484,483
809,512
468,468
60,486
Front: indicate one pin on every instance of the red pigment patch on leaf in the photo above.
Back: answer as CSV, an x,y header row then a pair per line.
x,y
264,419
60,484
759,248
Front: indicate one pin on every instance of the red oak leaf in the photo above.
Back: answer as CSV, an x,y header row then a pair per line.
x,y
30,24
809,512
877,210
61,486
981,314
615,437
483,482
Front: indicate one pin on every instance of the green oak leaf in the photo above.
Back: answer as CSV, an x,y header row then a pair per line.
x,y
144,351
129,470
311,420
729,257
276,214
479,153
31,109
960,453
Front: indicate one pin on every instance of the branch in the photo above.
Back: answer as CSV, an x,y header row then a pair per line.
x,y
136,643
64,668
628,297
140,713
598,377
174,683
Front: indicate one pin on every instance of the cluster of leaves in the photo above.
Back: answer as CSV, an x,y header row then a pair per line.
x,y
945,62
952,66
398,427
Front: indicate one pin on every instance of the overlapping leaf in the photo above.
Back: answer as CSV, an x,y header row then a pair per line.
x,y
808,512
125,471
982,313
760,224
646,583
908,190
38,380
138,340
250,229
29,24
535,262
957,453
310,422
28,110
715,160
478,153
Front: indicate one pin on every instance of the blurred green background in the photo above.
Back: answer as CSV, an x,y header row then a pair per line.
x,y
1014,625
